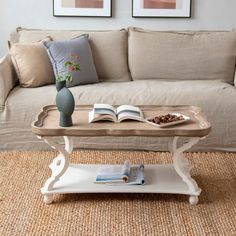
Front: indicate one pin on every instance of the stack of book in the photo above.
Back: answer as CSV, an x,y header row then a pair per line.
x,y
121,175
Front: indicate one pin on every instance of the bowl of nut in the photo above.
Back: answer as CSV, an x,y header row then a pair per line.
x,y
167,120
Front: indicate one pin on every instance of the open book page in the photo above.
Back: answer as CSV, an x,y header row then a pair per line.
x,y
102,112
113,173
128,112
101,108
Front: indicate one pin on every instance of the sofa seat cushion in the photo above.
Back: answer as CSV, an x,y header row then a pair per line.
x,y
182,55
109,49
205,94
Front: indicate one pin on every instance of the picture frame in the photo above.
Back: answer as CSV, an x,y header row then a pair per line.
x,y
161,8
82,8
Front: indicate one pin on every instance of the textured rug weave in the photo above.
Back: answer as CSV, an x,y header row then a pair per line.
x,y
22,211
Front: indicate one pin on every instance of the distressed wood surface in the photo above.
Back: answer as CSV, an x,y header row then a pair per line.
x,y
47,123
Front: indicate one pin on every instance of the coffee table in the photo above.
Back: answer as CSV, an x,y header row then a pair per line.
x,y
172,178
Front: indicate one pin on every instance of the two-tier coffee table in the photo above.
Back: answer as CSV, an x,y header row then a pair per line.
x,y
172,178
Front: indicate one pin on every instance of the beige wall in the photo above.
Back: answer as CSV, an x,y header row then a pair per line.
x,y
207,14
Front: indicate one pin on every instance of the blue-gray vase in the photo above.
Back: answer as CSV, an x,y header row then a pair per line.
x,y
65,104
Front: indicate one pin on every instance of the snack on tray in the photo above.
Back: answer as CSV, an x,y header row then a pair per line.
x,y
163,119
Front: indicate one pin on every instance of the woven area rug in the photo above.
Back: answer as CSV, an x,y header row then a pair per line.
x,y
22,211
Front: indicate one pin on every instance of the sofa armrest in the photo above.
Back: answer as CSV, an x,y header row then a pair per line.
x,y
235,78
7,79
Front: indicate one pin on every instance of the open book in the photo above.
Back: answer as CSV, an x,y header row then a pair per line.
x,y
110,113
126,174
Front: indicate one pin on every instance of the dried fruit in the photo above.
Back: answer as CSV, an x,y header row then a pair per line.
x,y
163,119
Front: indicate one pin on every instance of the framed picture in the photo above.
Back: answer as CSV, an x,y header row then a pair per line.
x,y
96,8
161,8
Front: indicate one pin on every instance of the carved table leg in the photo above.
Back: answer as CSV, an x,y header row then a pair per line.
x,y
183,167
171,146
58,166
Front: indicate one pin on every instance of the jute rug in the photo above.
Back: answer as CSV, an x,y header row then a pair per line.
x,y
22,211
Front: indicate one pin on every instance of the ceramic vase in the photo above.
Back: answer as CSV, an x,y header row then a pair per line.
x,y
65,104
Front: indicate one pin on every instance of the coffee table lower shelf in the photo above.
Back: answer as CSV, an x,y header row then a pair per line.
x,y
158,179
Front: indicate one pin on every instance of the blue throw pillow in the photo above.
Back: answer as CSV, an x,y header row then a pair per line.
x,y
75,50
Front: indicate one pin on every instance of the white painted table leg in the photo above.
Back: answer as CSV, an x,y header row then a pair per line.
x,y
58,166
183,167
171,146
68,144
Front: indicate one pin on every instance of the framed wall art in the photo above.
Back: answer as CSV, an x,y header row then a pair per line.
x,y
90,8
161,8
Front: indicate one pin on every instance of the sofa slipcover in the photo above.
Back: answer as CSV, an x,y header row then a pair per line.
x,y
7,79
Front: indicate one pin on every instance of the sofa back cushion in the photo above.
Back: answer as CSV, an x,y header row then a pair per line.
x,y
109,49
32,64
182,55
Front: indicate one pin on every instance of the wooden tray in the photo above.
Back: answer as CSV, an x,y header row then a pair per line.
x,y
47,123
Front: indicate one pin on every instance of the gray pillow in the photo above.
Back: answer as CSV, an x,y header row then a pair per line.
x,y
60,51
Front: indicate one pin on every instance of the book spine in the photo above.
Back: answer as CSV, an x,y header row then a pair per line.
x,y
141,173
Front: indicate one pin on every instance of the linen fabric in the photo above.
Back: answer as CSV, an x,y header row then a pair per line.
x,y
217,99
235,78
109,49
60,52
7,79
182,55
31,64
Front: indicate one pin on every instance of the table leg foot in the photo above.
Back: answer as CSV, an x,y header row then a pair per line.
x,y
193,200
48,198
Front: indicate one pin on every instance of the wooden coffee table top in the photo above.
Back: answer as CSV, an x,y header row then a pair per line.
x,y
47,123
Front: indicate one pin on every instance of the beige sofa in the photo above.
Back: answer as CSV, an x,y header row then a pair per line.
x,y
136,67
